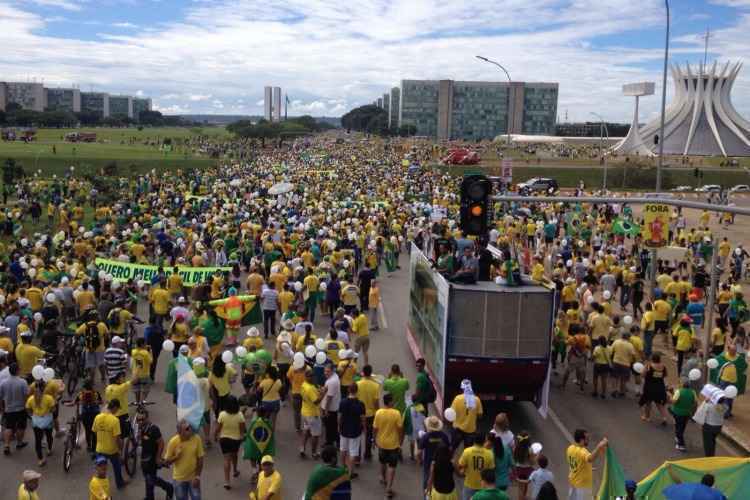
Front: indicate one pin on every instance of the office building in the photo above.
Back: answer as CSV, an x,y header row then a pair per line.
x,y
267,103
448,109
95,102
121,105
64,100
29,96
387,103
277,104
379,102
140,104
394,107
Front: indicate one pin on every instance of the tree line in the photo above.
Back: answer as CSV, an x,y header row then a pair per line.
x,y
263,129
372,119
15,116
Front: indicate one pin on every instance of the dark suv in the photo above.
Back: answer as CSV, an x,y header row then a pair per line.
x,y
538,185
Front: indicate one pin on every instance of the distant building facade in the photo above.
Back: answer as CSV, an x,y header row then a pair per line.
x,y
28,95
95,102
121,105
140,104
277,104
267,102
394,107
64,100
387,103
448,109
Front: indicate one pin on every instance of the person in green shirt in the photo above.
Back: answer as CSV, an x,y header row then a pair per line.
x,y
489,491
397,386
684,402
422,394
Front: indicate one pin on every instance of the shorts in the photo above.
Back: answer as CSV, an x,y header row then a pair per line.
x,y
350,445
15,420
313,425
388,457
141,383
248,380
522,472
620,371
601,369
362,343
94,359
579,493
229,445
270,406
661,326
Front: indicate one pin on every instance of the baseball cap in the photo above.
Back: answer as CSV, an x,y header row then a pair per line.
x,y
267,459
117,339
182,300
30,475
631,485
100,460
184,349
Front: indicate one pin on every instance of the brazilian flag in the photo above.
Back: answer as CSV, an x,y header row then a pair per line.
x,y
259,440
254,316
625,227
613,478
328,483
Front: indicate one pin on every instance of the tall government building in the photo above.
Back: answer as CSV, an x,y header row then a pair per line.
x,y
448,109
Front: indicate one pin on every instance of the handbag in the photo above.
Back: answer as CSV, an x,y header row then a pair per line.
x,y
700,414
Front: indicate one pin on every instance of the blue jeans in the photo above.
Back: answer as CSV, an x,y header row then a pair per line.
x,y
116,468
152,480
184,489
648,342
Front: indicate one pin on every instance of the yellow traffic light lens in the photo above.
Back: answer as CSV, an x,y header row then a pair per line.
x,y
476,210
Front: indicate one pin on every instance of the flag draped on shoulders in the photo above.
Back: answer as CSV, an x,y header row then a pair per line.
x,y
190,404
328,482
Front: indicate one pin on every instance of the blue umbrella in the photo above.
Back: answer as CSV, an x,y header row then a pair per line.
x,y
692,491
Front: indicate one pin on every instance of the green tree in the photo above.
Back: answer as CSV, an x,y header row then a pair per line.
x,y
12,171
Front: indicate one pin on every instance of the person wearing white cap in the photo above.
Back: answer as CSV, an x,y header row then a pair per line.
x,y
28,488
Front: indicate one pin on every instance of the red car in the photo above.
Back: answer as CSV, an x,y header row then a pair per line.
x,y
461,156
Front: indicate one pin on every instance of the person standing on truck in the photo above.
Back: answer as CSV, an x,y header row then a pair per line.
x,y
468,268
468,408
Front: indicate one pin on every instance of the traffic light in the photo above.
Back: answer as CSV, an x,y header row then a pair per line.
x,y
476,204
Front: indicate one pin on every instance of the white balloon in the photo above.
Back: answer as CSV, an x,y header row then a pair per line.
x,y
536,448
607,295
168,345
586,262
450,414
569,263
37,372
320,358
322,287
38,317
51,297
310,351
102,274
298,286
227,356
694,374
638,367
320,344
299,356
589,299
342,353
564,243
627,320
241,351
298,363
581,243
49,374
730,392
31,272
712,363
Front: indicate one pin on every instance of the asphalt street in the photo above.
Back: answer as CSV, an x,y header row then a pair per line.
x,y
640,447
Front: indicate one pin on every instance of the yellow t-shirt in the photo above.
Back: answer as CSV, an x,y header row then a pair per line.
x,y
466,418
125,316
729,370
230,425
623,352
312,283
185,455
600,355
718,337
388,424
269,485
102,328
647,322
141,363
86,300
44,407
537,272
26,357
285,299
684,338
256,342
174,284
368,391
661,310
179,332
360,326
107,429
346,370
296,378
270,389
99,489
120,393
222,385
24,494
580,473
160,300
600,325
473,461
309,395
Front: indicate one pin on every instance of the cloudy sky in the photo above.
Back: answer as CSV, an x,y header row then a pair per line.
x,y
215,56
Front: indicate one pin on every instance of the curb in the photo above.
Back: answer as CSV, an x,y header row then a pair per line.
x,y
730,435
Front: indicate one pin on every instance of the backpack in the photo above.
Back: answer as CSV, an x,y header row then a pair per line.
x,y
91,337
113,318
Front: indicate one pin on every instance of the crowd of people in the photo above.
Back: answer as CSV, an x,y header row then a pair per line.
x,y
280,332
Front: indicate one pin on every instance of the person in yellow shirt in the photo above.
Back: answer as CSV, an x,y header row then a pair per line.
x,y
468,410
568,294
684,335
141,360
34,294
286,297
109,439
40,407
119,389
27,354
361,329
623,357
28,488
94,333
229,432
580,469
648,327
174,283
368,391
296,378
99,484
185,453
388,427
373,303
254,282
86,299
269,481
474,459
160,298
718,337
312,426
537,271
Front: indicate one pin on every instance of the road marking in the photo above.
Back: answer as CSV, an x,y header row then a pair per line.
x,y
560,426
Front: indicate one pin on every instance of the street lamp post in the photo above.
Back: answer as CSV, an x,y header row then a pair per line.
x,y
509,85
601,145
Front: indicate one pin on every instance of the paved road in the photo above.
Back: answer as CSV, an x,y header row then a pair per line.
x,y
640,447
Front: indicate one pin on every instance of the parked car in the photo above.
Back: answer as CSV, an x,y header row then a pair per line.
x,y
709,188
683,189
740,188
538,185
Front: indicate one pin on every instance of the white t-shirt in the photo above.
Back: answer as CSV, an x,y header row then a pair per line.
x,y
537,480
333,393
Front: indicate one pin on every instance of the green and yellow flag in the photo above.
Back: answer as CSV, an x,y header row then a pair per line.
x,y
613,479
259,440
328,483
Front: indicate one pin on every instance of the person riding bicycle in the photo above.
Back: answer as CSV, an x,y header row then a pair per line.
x,y
118,318
89,403
94,333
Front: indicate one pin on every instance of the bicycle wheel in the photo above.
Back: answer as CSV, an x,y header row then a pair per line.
x,y
72,382
68,452
130,457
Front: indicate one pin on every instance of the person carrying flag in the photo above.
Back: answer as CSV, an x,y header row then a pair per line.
x,y
328,481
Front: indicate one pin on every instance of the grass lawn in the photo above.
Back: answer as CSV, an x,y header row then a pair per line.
x,y
112,144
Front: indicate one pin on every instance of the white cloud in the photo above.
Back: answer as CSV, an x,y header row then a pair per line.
x,y
125,25
334,54
71,5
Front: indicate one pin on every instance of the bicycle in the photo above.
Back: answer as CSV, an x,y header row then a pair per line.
x,y
71,437
72,358
130,449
